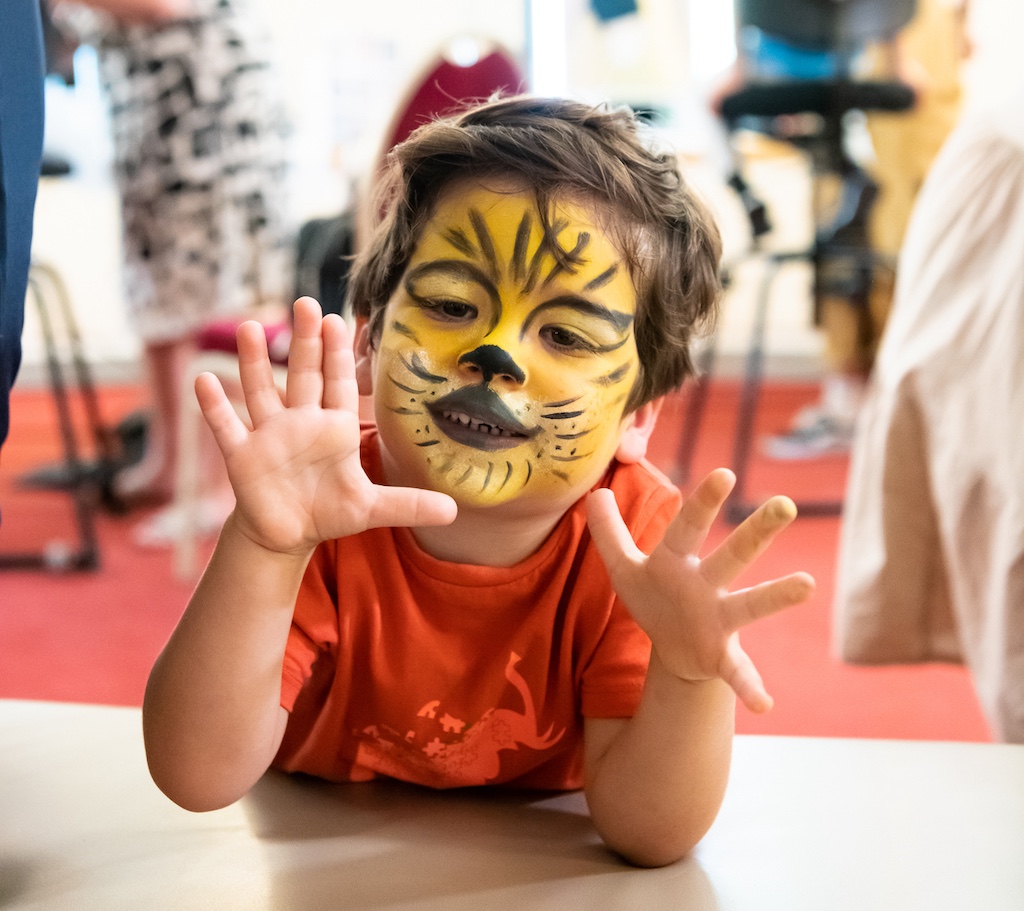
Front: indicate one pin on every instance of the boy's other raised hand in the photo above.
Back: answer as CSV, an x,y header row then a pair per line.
x,y
682,601
296,473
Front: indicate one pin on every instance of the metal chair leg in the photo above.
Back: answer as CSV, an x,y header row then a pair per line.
x,y
738,507
83,479
696,403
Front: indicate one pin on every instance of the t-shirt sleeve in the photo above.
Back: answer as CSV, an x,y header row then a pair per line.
x,y
314,630
614,677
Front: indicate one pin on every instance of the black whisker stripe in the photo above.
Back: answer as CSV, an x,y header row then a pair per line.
x,y
614,346
405,388
428,443
571,458
483,236
519,251
508,474
602,279
563,403
403,329
404,410
533,275
562,415
487,478
572,258
529,473
415,366
547,243
457,238
561,475
616,376
465,476
572,436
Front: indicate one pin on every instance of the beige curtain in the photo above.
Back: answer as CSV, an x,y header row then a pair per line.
x,y
931,563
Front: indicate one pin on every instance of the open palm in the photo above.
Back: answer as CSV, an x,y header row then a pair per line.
x,y
682,601
296,473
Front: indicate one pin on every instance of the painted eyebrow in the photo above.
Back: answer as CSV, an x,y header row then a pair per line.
x,y
619,320
459,269
453,267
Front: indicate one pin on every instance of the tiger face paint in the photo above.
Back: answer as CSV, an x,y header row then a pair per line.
x,y
501,374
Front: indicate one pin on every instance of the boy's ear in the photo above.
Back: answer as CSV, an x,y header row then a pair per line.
x,y
638,428
363,351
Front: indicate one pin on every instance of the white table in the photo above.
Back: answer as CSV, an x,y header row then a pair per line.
x,y
823,825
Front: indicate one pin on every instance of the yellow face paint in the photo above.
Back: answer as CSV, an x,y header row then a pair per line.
x,y
501,374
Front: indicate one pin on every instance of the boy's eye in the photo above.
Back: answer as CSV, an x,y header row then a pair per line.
x,y
451,310
565,339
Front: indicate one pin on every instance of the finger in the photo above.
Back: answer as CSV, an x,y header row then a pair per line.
x,y
305,355
690,527
614,543
748,541
256,374
739,672
339,369
743,607
221,417
409,506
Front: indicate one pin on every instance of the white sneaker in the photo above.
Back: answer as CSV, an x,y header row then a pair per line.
x,y
813,436
168,525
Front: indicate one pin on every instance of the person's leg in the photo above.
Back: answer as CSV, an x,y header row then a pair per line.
x,y
826,427
844,287
152,478
155,478
21,148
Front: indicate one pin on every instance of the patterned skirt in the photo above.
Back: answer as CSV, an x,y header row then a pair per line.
x,y
199,142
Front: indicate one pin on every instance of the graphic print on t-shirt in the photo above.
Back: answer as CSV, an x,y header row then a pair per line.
x,y
443,750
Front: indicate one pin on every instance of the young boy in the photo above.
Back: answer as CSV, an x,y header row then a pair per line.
x,y
454,596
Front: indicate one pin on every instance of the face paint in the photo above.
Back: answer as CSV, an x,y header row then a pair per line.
x,y
500,373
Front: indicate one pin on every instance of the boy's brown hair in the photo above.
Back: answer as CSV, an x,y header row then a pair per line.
x,y
560,149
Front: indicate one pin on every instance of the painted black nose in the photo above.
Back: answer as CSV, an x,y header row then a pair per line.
x,y
493,361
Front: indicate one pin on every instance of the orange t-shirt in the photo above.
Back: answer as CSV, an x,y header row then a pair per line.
x,y
447,675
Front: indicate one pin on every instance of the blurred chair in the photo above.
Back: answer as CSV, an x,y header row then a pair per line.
x,y
801,55
91,456
465,71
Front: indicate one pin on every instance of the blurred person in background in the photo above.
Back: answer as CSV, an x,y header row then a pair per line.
x,y
199,155
927,55
21,150
931,557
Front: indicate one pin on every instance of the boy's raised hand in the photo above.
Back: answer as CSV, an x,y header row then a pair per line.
x,y
682,600
296,474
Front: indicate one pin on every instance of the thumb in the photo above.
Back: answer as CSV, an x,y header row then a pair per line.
x,y
741,674
409,506
611,536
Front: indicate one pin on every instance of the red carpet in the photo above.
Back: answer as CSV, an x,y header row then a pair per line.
x,y
92,636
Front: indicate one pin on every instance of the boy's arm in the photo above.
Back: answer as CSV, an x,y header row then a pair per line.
x,y
211,717
655,782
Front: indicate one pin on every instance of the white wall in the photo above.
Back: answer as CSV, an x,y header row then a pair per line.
x,y
345,66
995,71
